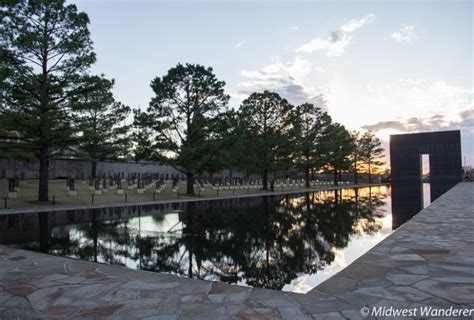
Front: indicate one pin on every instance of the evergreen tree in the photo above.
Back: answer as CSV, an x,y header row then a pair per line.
x,y
100,123
224,142
370,151
45,48
355,135
265,120
310,124
142,137
338,149
185,118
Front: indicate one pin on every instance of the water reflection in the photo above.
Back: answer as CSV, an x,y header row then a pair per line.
x,y
278,242
410,197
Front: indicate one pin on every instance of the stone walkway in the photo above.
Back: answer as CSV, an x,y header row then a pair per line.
x,y
429,261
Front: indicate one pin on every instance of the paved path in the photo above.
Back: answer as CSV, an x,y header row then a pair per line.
x,y
429,261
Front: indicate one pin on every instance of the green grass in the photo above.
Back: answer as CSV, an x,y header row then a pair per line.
x,y
57,189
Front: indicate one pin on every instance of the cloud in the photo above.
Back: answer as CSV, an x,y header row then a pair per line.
x,y
405,34
285,78
294,28
237,94
390,104
467,114
277,73
356,23
239,44
383,125
337,41
435,122
334,46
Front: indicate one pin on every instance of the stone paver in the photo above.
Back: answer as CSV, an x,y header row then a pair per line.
x,y
429,261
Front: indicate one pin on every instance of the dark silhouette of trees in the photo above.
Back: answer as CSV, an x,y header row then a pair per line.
x,y
310,125
338,148
370,151
265,120
355,135
45,49
100,123
184,116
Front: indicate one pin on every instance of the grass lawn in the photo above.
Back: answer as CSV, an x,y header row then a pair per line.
x,y
28,194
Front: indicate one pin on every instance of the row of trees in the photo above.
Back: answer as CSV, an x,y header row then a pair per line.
x,y
50,104
188,125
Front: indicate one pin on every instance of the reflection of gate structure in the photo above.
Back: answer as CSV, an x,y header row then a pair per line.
x,y
406,150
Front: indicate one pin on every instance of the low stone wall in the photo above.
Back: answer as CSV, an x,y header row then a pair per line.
x,y
74,168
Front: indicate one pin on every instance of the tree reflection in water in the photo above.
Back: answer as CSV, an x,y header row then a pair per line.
x,y
262,242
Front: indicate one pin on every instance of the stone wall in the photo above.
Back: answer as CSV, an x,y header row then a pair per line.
x,y
74,168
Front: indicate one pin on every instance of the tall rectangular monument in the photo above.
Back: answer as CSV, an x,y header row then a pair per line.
x,y
443,148
406,150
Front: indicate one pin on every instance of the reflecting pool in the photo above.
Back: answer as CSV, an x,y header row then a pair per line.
x,y
282,242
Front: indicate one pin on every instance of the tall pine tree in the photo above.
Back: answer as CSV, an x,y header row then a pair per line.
x,y
184,117
370,151
310,124
338,146
266,119
100,121
45,48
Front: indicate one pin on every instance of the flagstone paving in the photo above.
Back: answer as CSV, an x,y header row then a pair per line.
x,y
429,261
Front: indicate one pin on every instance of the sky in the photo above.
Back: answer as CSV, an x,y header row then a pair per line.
x,y
386,66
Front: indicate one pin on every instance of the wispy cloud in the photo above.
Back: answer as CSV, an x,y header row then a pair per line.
x,y
465,121
405,34
294,28
336,43
354,24
397,100
438,122
277,73
285,78
239,44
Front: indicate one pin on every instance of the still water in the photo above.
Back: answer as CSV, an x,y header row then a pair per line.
x,y
287,242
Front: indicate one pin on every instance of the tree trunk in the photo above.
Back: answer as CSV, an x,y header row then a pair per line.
x,y
265,180
370,199
190,266
43,174
335,176
43,194
370,176
356,180
94,170
306,173
189,183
